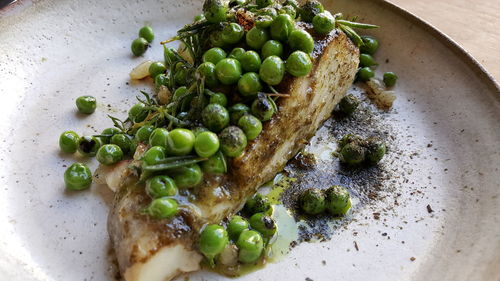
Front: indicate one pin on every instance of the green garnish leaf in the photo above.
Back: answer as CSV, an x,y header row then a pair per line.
x,y
357,24
173,163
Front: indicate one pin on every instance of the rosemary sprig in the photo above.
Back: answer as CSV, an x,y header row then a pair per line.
x,y
348,28
173,163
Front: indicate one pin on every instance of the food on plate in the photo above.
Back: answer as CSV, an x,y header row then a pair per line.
x,y
249,85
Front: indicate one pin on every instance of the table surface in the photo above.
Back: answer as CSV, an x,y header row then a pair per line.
x,y
474,24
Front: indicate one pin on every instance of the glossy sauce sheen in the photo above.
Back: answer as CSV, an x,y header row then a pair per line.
x,y
137,237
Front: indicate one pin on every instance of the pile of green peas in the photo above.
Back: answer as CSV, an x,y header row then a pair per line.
x,y
335,200
354,150
250,234
367,63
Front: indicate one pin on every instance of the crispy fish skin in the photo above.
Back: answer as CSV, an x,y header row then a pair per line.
x,y
148,249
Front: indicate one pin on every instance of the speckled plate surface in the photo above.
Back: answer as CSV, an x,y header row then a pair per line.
x,y
444,158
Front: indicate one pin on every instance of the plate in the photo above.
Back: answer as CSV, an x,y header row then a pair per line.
x,y
440,219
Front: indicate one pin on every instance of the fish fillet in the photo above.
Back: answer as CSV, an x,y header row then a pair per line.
x,y
149,249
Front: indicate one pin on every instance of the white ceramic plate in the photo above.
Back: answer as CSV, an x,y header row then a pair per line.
x,y
54,51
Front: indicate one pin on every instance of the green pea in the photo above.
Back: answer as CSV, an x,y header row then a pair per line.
x,y
298,64
218,98
250,245
257,204
249,84
366,74
198,130
188,176
232,33
157,68
77,177
109,154
147,33
289,10
375,150
179,93
88,146
123,141
337,200
301,40
272,48
348,104
312,201
228,71
292,3
161,80
235,226
138,112
107,133
144,132
216,39
199,17
365,60
263,224
262,108
250,61
264,3
370,45
213,240
310,9
350,138
232,141
159,137
214,55
207,70
352,154
160,186
263,21
250,125
215,117
68,142
390,79
236,111
323,23
236,53
272,70
206,144
86,104
268,11
215,10
281,27
139,46
163,208
180,142
154,155
256,37
216,164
